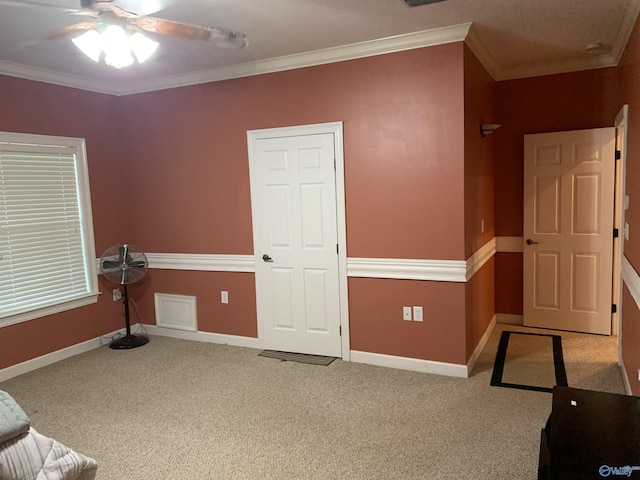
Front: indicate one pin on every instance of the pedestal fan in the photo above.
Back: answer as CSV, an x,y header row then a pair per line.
x,y
125,264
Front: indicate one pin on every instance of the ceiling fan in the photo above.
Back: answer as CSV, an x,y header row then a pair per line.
x,y
117,35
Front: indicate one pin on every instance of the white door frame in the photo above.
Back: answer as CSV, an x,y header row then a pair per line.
x,y
334,128
621,121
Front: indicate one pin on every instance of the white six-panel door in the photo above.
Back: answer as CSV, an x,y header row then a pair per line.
x,y
293,190
568,230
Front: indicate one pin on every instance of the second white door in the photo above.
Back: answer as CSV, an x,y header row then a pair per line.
x,y
293,190
568,230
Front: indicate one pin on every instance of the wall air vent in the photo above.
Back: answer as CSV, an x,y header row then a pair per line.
x,y
416,3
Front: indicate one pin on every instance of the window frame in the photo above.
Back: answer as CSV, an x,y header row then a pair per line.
x,y
87,234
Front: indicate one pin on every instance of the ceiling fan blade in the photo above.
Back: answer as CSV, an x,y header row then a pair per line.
x,y
201,33
145,7
72,29
34,4
107,6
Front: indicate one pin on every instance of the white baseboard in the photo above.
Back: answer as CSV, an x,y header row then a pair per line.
x,y
53,357
625,378
509,319
234,340
413,364
381,360
480,347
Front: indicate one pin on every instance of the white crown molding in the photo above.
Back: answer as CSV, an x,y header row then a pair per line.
x,y
631,280
57,78
203,262
476,261
482,53
553,68
509,244
398,43
612,59
629,18
408,269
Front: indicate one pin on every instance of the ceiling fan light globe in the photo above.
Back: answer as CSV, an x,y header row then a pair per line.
x,y
115,45
89,43
118,59
142,46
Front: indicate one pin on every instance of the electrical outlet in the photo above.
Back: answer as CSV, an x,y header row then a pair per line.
x,y
406,313
117,294
417,314
224,296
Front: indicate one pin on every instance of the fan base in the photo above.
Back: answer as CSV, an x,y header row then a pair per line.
x,y
129,341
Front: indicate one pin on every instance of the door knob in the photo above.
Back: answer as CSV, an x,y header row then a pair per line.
x,y
267,258
531,242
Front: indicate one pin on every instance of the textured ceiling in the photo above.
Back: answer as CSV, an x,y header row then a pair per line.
x,y
513,38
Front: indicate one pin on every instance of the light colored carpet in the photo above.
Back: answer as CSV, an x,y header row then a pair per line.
x,y
529,361
176,409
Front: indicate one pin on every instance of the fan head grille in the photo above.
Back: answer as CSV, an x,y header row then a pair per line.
x,y
123,264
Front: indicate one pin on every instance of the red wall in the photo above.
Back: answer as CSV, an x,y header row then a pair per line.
x,y
169,173
479,305
631,339
375,315
629,74
33,107
403,120
478,154
571,101
478,196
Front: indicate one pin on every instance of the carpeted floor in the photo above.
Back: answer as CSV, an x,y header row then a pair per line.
x,y
176,409
529,361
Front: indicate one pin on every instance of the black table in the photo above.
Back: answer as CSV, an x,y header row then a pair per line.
x,y
590,435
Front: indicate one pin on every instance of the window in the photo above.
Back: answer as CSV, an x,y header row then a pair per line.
x,y
47,253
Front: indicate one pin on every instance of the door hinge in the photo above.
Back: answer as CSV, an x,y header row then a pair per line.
x,y
338,248
616,233
614,308
334,164
340,328
618,154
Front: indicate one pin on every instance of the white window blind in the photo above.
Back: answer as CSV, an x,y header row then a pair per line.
x,y
47,256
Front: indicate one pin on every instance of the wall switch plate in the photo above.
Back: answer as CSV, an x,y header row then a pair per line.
x,y
626,202
482,225
626,231
117,294
417,314
406,313
224,296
